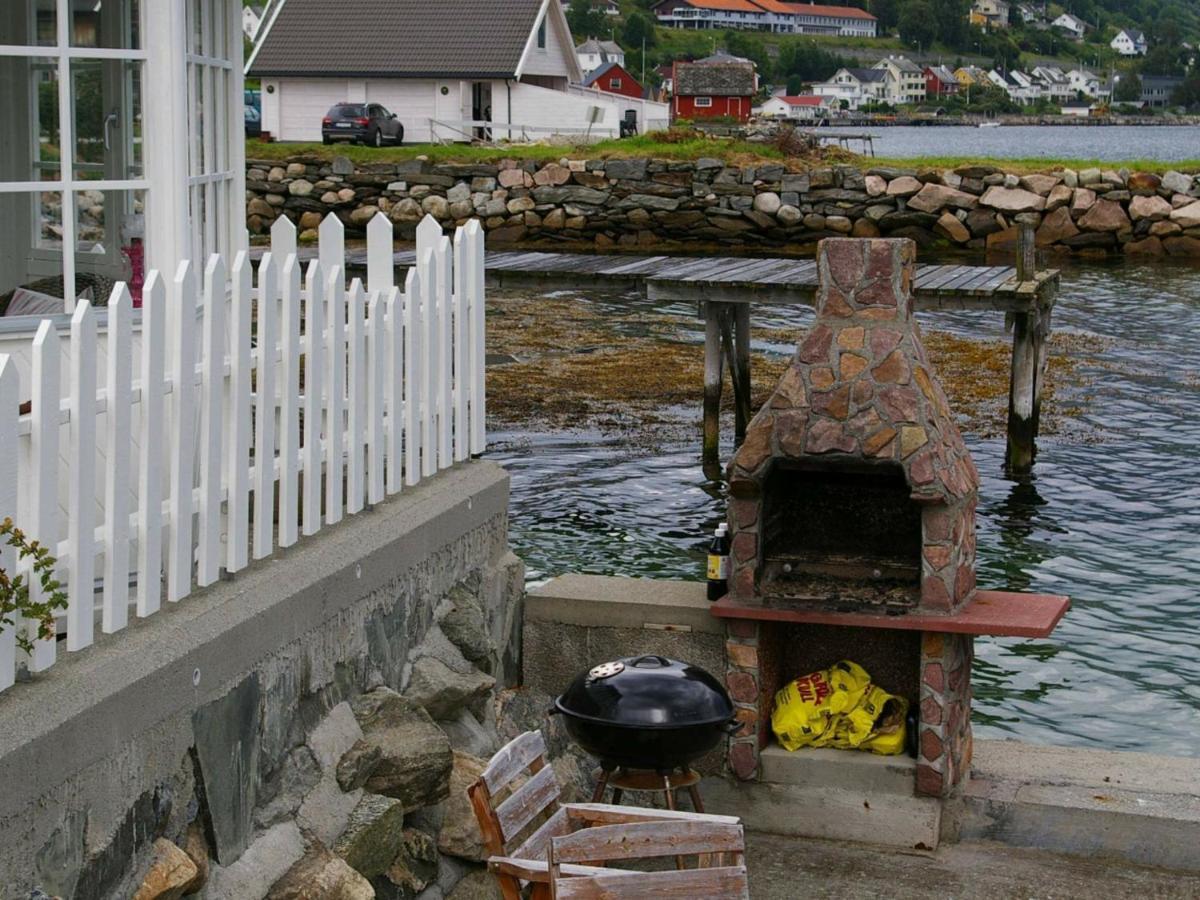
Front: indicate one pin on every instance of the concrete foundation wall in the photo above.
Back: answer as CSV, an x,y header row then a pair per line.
x,y
189,715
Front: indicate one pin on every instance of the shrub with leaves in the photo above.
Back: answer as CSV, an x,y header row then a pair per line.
x,y
15,601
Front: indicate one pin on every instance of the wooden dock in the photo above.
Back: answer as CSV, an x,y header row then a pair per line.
x,y
725,287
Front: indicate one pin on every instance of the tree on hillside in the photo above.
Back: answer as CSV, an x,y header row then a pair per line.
x,y
585,21
953,27
747,46
638,27
1128,89
887,12
1188,93
917,26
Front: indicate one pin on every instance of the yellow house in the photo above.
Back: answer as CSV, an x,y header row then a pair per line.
x,y
970,75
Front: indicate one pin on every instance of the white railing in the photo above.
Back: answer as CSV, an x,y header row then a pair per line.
x,y
247,414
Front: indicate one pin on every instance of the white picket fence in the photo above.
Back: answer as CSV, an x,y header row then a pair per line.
x,y
271,411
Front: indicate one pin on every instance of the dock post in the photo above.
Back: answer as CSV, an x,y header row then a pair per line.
x,y
741,373
1029,355
713,375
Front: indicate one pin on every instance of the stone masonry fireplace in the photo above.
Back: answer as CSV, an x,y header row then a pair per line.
x,y
852,515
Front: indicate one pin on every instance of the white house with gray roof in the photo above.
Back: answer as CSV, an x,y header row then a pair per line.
x,y
450,71
1129,42
856,87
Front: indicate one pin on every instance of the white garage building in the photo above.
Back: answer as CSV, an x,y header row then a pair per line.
x,y
450,71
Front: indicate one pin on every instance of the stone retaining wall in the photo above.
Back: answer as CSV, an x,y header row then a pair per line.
x,y
644,203
305,729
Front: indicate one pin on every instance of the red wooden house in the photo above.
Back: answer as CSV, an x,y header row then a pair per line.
x,y
707,90
613,78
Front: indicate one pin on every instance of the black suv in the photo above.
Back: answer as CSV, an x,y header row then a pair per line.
x,y
364,123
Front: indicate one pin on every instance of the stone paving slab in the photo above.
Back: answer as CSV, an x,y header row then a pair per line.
x,y
783,868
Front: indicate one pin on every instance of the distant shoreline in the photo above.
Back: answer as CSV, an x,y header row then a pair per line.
x,y
1011,121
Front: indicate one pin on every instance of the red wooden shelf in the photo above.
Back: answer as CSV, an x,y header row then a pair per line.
x,y
998,613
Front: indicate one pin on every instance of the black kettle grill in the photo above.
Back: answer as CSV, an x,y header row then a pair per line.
x,y
646,712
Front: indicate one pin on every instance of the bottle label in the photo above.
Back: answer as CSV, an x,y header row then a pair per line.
x,y
718,567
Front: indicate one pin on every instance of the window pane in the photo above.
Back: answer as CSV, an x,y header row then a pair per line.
x,y
105,221
31,23
108,118
48,221
32,154
109,24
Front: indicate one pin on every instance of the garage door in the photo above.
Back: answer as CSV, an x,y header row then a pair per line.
x,y
303,102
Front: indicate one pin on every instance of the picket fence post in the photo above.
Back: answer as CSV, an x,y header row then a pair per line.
x,y
212,385
356,398
238,464
264,411
10,389
183,447
81,498
43,454
314,372
335,382
119,407
475,279
150,474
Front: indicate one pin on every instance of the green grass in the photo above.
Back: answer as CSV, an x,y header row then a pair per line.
x,y
640,146
649,146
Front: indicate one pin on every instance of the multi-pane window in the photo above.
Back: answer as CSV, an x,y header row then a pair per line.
x,y
72,177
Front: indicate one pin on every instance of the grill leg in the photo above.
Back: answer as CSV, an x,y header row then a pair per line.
x,y
669,790
694,793
601,784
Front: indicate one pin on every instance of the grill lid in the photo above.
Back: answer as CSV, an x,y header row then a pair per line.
x,y
647,692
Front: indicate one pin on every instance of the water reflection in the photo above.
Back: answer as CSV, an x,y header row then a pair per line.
x,y
1111,519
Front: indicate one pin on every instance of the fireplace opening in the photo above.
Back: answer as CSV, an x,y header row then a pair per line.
x,y
847,534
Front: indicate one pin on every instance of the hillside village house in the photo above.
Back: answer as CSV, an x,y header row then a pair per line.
x,y
905,82
1157,89
1074,27
612,78
854,88
592,54
1083,81
940,82
710,90
148,164
989,14
800,108
608,7
1129,43
450,71
1055,83
767,15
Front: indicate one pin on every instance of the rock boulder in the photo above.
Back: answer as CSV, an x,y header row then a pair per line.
x,y
321,875
1013,200
415,757
443,692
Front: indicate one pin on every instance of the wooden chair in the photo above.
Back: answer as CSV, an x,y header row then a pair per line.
x,y
505,815
719,848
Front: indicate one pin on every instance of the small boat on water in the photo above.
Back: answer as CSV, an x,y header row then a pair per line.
x,y
989,124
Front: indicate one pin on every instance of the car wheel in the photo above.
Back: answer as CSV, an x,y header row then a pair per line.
x,y
377,138
326,141
399,135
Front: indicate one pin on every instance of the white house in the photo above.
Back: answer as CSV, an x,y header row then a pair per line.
x,y
767,15
252,17
1085,81
592,54
1054,83
905,80
856,87
1073,26
1129,43
989,14
1080,109
801,107
449,71
157,172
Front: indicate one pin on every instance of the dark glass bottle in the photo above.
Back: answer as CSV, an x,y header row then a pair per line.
x,y
718,564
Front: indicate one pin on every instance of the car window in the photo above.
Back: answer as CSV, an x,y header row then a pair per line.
x,y
382,110
347,110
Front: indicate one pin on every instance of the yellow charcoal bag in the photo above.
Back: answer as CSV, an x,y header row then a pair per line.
x,y
839,707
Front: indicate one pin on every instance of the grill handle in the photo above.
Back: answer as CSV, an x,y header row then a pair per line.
x,y
659,661
732,726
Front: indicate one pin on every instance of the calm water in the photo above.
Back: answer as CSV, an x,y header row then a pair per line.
x,y
1116,142
1112,519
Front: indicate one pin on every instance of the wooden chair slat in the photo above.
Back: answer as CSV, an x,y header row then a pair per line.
x,y
729,883
638,840
608,814
538,869
513,759
527,802
537,845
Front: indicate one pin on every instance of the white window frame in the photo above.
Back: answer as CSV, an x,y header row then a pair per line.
x,y
703,102
614,84
67,185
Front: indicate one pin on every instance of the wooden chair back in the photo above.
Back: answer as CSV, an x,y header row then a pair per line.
x,y
719,848
506,809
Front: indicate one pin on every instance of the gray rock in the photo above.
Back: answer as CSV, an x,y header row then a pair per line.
x,y
326,809
788,214
569,194
461,191
321,876
650,201
373,836
436,206
1070,178
798,184
301,188
767,202
443,692
464,623
406,210
459,834
451,871
1089,176
414,868
297,776
479,885
706,163
626,168
415,754
262,864
462,209
227,746
1176,182
342,166
357,764
1011,181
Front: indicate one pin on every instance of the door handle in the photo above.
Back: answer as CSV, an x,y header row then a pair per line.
x,y
110,121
